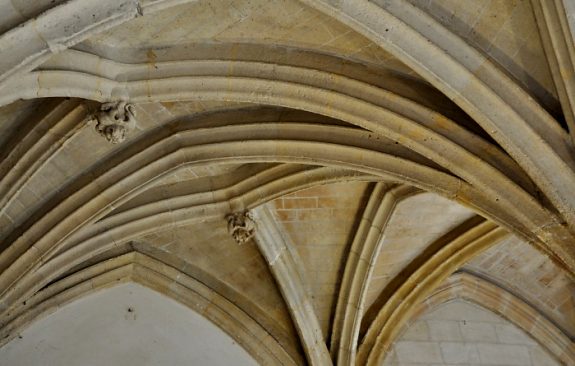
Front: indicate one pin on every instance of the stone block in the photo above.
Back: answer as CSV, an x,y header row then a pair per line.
x,y
503,354
459,353
478,332
419,331
418,352
541,358
444,330
507,333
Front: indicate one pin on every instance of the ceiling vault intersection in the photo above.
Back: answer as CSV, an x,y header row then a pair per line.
x,y
312,182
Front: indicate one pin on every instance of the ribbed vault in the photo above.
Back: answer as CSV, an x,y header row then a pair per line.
x,y
310,176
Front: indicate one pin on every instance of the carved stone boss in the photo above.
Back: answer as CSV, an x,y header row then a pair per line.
x,y
114,120
241,226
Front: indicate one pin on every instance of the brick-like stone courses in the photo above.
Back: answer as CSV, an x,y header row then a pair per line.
x,y
416,222
531,275
460,333
321,222
493,27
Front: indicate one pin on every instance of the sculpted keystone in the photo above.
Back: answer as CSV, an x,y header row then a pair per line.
x,y
115,120
241,226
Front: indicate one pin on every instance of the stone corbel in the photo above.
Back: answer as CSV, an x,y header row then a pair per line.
x,y
114,120
241,226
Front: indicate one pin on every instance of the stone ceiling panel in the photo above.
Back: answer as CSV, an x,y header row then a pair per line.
x,y
416,222
209,248
321,222
276,22
65,201
66,159
506,31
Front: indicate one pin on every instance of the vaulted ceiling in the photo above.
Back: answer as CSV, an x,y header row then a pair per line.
x,y
310,176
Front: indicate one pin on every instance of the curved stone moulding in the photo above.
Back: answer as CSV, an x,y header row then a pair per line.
x,y
400,107
107,244
489,96
362,113
358,103
553,230
161,277
240,187
289,272
145,219
87,64
557,40
57,28
474,238
38,147
514,119
335,134
131,224
359,266
372,164
469,287
231,154
485,101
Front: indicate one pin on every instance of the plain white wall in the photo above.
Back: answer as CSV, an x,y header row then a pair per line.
x,y
100,330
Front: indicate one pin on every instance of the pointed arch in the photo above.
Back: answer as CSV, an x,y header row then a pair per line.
x,y
520,125
359,267
473,237
466,286
127,179
168,281
422,135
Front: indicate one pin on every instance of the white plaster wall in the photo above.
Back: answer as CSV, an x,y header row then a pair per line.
x,y
460,333
100,330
